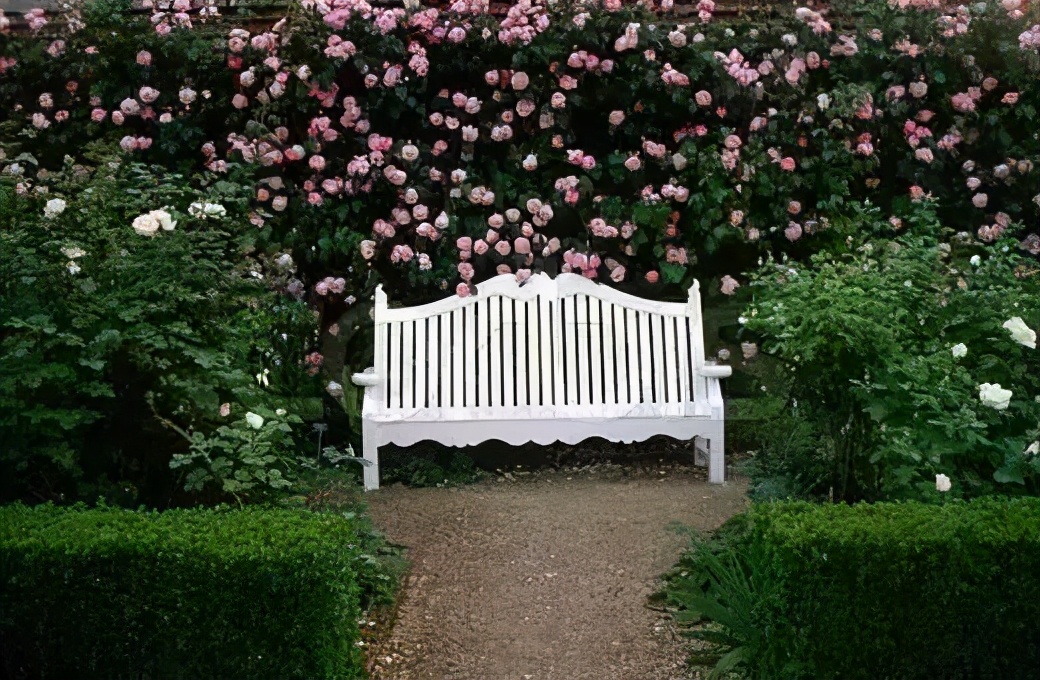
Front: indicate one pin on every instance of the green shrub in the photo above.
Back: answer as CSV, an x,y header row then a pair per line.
x,y
887,341
897,591
252,593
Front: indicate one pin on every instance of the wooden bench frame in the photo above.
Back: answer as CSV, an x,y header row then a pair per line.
x,y
550,360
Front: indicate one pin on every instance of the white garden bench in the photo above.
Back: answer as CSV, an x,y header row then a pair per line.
x,y
551,360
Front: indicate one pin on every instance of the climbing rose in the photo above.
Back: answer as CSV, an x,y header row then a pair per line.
x,y
942,483
729,285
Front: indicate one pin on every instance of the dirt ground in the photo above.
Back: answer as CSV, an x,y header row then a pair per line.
x,y
542,576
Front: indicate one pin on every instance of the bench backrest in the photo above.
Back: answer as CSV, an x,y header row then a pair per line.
x,y
563,342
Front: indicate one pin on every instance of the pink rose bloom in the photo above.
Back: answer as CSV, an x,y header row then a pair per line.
x,y
568,82
1010,98
558,100
239,101
317,163
462,290
787,164
793,231
480,247
703,98
617,274
963,102
916,193
924,155
144,58
525,107
633,163
465,271
588,163
729,285
925,115
616,117
503,248
279,203
652,277
522,246
732,142
98,115
794,207
980,200
491,77
520,80
117,117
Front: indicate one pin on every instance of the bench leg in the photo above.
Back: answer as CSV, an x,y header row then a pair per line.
x,y
717,460
370,451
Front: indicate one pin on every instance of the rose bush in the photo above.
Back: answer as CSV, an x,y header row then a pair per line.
x,y
128,343
346,145
911,356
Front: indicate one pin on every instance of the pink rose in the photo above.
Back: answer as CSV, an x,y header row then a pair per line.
x,y
520,80
703,98
787,164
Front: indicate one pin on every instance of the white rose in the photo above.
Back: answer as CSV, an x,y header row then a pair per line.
x,y
823,101
942,483
334,389
186,95
975,260
994,396
204,210
959,350
531,162
409,152
1033,448
1020,332
146,225
54,207
164,219
255,421
678,161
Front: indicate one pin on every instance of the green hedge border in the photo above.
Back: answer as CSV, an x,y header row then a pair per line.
x,y
221,593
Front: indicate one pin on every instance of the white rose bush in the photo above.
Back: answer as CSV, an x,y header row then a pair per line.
x,y
908,360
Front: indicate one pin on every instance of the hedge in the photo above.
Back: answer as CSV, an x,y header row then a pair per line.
x,y
249,593
894,591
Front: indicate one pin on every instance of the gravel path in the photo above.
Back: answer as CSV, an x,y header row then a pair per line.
x,y
545,577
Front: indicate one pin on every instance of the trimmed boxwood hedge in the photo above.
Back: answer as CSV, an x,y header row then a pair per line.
x,y
206,593
888,590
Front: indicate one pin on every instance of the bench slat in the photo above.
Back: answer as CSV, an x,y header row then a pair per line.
x,y
526,343
595,339
509,353
671,366
646,356
454,356
546,311
422,362
482,342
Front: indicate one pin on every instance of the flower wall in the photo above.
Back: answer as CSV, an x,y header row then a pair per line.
x,y
436,148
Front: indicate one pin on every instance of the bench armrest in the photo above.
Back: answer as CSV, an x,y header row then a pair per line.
x,y
710,371
367,379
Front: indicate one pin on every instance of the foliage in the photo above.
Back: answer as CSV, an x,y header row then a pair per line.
x,y
374,139
118,349
898,591
218,593
871,333
445,467
427,149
